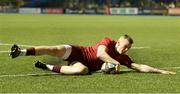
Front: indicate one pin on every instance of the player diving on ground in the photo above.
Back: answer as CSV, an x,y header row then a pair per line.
x,y
87,59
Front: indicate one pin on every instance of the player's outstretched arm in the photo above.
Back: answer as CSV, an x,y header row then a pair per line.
x,y
146,68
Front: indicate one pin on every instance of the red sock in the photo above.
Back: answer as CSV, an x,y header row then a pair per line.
x,y
56,68
30,51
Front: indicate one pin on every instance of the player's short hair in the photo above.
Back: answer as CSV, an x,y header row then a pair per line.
x,y
128,38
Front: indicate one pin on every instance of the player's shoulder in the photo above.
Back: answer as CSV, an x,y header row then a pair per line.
x,y
107,38
106,41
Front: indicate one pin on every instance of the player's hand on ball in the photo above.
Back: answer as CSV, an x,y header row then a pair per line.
x,y
117,68
109,68
114,72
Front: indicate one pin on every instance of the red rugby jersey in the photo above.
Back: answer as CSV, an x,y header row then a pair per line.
x,y
88,55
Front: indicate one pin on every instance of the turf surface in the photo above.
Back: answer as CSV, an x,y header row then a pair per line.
x,y
160,33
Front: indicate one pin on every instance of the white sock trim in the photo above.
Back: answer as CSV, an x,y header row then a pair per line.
x,y
50,67
68,51
23,52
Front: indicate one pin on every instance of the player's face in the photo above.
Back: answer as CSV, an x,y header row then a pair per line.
x,y
122,46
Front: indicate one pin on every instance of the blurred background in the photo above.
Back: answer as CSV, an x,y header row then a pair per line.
x,y
105,7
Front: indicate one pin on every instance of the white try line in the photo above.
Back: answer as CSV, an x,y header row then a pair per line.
x,y
31,74
147,47
46,74
172,68
5,51
8,44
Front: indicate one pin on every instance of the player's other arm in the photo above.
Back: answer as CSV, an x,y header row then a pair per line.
x,y
103,55
146,68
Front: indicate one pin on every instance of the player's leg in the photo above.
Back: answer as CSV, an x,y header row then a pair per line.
x,y
49,50
58,51
76,68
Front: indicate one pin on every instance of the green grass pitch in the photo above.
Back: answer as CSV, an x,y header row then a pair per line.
x,y
160,33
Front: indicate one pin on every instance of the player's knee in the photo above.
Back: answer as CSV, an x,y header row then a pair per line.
x,y
57,50
53,49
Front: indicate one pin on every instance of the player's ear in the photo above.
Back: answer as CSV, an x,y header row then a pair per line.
x,y
118,43
129,46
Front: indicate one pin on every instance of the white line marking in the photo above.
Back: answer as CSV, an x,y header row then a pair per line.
x,y
44,74
23,75
147,47
172,68
8,44
5,51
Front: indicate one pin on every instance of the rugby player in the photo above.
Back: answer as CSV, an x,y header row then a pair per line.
x,y
86,59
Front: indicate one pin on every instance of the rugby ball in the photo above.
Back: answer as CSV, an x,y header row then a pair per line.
x,y
107,68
